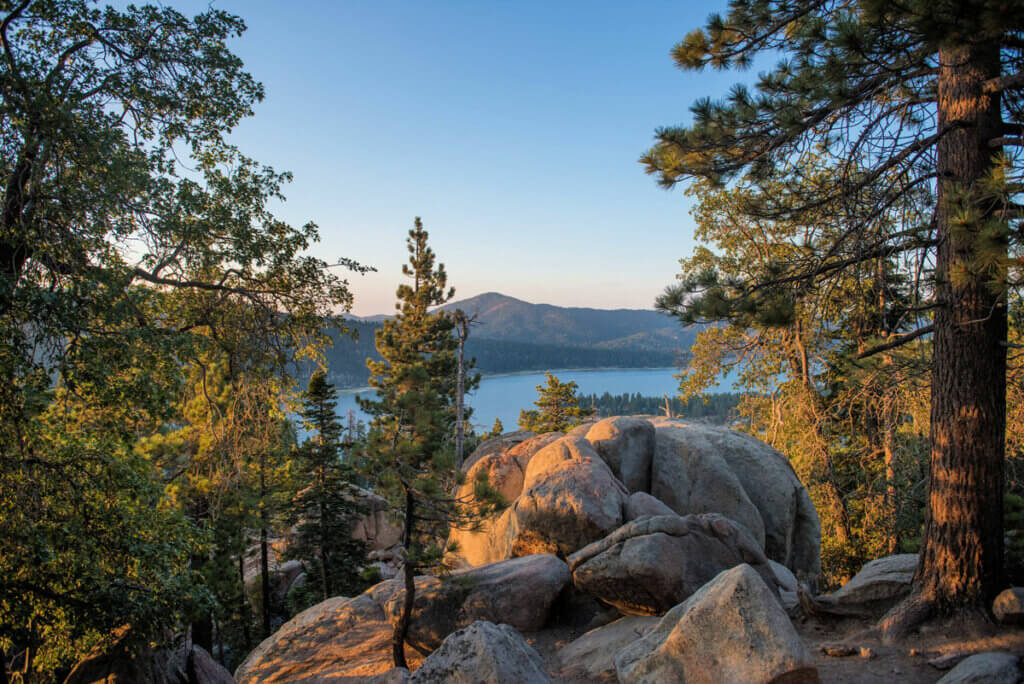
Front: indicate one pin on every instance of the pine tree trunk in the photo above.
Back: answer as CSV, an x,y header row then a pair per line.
x,y
244,608
325,583
962,551
408,572
462,326
264,551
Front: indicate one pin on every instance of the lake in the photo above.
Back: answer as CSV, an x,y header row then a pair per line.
x,y
503,396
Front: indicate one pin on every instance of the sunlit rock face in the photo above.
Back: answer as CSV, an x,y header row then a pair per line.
x,y
577,488
732,630
352,637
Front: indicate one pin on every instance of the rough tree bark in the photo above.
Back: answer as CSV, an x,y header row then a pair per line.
x,y
408,573
962,548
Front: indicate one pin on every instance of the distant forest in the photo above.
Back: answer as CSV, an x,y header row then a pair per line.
x,y
719,408
347,359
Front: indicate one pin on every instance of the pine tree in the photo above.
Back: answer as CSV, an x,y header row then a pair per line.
x,y
410,446
925,95
558,408
327,507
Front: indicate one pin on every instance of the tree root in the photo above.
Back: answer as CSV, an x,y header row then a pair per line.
x,y
906,617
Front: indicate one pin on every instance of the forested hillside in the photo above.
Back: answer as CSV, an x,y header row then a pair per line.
x,y
509,335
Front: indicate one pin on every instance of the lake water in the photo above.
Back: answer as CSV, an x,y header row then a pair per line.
x,y
504,396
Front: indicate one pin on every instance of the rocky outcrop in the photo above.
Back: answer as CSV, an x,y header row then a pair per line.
x,y
518,592
337,638
731,631
626,445
482,653
985,668
689,475
878,585
374,526
651,564
352,637
592,656
651,466
122,662
505,470
1009,606
570,498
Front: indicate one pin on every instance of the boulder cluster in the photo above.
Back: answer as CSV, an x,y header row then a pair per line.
x,y
694,537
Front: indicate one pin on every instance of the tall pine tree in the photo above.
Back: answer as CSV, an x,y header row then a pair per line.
x,y
410,446
327,507
928,95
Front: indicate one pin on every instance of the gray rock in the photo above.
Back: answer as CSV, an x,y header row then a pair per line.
x,y
788,586
591,656
792,529
879,583
626,445
651,564
985,668
690,475
643,505
1009,606
518,592
525,450
732,631
482,653
570,498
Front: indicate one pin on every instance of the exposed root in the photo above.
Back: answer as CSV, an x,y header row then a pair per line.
x,y
905,618
820,607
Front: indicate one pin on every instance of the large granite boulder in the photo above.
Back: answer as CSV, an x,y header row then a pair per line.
x,y
689,475
732,631
792,530
626,445
985,668
482,653
878,585
570,498
337,638
592,656
505,468
649,565
493,592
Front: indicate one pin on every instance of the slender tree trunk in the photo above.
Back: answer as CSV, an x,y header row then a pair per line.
x,y
462,330
962,551
264,550
244,608
892,503
325,583
408,572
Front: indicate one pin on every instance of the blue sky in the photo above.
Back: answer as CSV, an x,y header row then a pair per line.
x,y
513,129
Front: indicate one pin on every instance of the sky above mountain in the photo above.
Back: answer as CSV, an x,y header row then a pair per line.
x,y
512,128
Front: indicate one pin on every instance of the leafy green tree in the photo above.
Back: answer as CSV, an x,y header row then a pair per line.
x,y
327,507
925,96
410,443
558,408
133,239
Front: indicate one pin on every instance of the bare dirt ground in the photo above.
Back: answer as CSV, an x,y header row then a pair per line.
x,y
906,663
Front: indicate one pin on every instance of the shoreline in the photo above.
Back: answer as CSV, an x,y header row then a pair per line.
x,y
359,390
